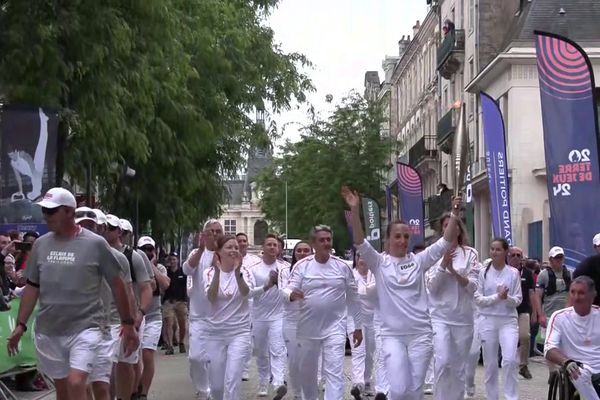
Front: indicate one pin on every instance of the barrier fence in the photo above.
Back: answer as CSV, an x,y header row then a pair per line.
x,y
27,355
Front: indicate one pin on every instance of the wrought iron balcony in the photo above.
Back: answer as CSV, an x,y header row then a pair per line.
x,y
424,149
437,206
445,131
450,53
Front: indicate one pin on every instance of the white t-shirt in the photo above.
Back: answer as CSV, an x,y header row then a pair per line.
x,y
401,294
449,301
577,337
291,309
486,296
198,301
266,306
229,315
250,260
366,293
330,292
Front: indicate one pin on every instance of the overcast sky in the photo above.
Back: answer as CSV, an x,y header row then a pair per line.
x,y
343,39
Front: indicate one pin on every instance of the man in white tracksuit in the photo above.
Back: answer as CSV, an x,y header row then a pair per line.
x,y
403,305
451,284
267,314
325,287
198,261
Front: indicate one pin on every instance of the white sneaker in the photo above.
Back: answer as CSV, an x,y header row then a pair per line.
x,y
263,390
470,392
428,389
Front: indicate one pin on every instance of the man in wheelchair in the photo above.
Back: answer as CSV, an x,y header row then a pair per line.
x,y
573,339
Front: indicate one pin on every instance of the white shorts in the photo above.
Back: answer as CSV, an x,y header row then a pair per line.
x,y
151,335
102,370
58,354
118,351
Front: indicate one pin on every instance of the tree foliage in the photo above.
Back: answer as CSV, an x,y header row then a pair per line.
x,y
345,149
167,87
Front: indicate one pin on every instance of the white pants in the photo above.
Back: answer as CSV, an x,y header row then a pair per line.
x,y
119,350
198,358
473,356
382,384
270,351
407,358
334,348
226,359
362,356
102,370
584,386
450,345
429,375
502,331
293,353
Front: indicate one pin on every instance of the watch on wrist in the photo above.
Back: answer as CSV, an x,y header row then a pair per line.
x,y
128,321
22,325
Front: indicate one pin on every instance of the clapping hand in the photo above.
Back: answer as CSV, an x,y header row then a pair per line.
x,y
503,293
272,280
447,260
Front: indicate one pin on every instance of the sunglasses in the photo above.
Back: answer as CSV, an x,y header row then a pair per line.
x,y
147,249
85,214
319,228
518,255
50,211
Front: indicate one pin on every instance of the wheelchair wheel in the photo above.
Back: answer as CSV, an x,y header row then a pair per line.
x,y
554,387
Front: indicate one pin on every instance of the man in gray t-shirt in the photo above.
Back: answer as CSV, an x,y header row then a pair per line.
x,y
552,285
126,378
153,327
64,272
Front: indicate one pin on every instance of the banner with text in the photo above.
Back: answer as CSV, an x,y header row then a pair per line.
x,y
497,167
29,146
410,194
372,218
570,143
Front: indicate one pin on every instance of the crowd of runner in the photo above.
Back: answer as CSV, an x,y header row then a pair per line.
x,y
416,318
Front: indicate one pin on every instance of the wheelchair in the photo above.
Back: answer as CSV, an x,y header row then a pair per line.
x,y
561,387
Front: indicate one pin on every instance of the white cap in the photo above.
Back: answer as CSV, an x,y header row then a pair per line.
x,y
145,241
556,251
596,240
126,225
85,214
58,197
113,221
100,216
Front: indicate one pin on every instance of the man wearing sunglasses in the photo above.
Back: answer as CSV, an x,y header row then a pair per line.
x,y
64,272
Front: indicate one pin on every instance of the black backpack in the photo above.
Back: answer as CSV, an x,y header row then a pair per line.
x,y
128,252
551,288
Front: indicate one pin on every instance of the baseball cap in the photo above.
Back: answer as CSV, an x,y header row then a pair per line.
x,y
596,240
100,216
556,251
58,197
126,225
146,241
85,214
113,221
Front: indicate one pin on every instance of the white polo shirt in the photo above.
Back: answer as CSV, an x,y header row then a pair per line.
x,y
577,337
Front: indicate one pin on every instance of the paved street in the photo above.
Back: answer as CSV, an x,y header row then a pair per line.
x,y
172,381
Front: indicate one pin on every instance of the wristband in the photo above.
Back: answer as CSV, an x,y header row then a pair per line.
x,y
22,325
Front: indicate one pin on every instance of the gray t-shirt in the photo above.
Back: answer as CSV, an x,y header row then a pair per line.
x,y
69,273
108,299
140,271
154,314
558,300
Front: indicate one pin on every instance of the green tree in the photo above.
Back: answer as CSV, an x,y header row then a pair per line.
x,y
165,86
345,149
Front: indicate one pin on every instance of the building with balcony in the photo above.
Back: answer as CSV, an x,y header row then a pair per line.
x,y
511,77
415,103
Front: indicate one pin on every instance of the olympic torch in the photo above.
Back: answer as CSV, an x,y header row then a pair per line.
x,y
460,150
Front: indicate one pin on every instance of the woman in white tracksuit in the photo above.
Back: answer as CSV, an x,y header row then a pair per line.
x,y
362,355
291,314
498,295
451,284
227,340
405,323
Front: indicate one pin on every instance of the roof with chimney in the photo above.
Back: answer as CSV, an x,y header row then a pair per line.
x,y
578,20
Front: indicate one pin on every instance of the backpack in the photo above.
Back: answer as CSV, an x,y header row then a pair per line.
x,y
128,252
551,288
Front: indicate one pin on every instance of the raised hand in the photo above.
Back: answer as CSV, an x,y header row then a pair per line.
x,y
350,196
456,204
